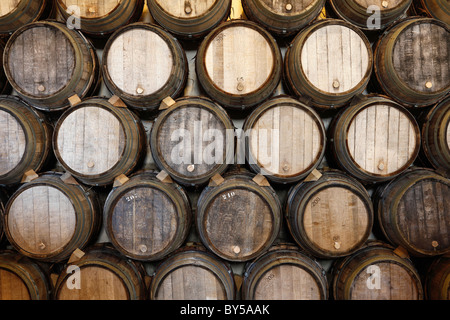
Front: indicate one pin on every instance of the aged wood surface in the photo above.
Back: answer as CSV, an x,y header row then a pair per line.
x,y
92,9
12,146
7,6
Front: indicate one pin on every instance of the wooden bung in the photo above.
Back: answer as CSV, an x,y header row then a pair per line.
x,y
146,219
319,63
283,18
189,19
329,217
209,277
97,152
47,219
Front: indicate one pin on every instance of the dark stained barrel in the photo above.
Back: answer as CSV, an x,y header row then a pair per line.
x,y
46,63
411,61
437,279
189,19
147,219
26,139
437,9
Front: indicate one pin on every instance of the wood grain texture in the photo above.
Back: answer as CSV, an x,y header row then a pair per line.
x,y
281,6
93,9
437,279
98,148
383,5
438,9
8,6
286,139
12,287
12,144
17,13
180,8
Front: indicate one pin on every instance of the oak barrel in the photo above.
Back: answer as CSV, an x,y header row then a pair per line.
x,y
437,9
193,273
17,13
239,64
97,140
238,218
284,273
101,273
46,63
145,218
285,139
435,134
189,19
411,61
362,13
143,64
5,87
100,18
374,139
329,217
437,279
47,218
328,62
284,17
26,139
375,272
22,278
192,140
413,212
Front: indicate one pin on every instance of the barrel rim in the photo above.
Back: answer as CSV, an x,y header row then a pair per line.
x,y
63,8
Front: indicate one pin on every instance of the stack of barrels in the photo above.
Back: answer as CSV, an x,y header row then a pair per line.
x,y
225,150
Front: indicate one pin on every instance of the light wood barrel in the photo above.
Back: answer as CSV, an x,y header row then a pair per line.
x,y
360,12
285,139
437,9
101,274
411,61
413,212
143,64
284,273
374,139
436,136
46,63
192,140
100,18
375,272
47,219
330,217
239,64
96,141
26,139
17,13
192,273
328,62
147,219
239,219
189,19
283,17
437,279
22,278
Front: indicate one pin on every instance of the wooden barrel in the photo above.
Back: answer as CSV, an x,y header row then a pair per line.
x,y
5,87
374,139
285,17
193,273
3,201
437,279
329,217
239,64
17,13
46,63
192,140
361,12
411,61
26,139
436,136
238,219
143,64
284,273
147,219
375,272
328,62
285,139
101,274
189,18
413,212
100,17
48,218
22,278
437,9
97,141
